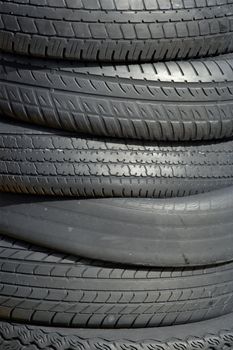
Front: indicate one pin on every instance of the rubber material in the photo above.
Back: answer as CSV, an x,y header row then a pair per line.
x,y
216,334
173,101
42,161
39,286
117,30
189,231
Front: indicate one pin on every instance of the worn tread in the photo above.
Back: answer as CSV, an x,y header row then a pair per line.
x,y
172,232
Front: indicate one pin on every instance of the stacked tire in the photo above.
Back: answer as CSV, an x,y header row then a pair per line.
x,y
116,174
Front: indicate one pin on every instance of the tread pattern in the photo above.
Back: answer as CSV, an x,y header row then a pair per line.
x,y
34,160
41,286
117,30
173,101
20,337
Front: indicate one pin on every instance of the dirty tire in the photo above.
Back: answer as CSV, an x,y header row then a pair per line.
x,y
44,161
115,30
171,101
42,286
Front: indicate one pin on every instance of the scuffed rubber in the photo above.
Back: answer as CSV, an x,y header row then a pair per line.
x,y
189,231
128,30
34,160
171,101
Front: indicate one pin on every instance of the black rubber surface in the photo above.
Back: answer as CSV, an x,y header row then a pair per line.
x,y
189,231
44,161
41,286
128,30
216,334
188,100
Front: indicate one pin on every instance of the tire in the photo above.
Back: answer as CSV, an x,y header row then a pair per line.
x,y
173,101
116,30
43,287
189,231
40,161
216,334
